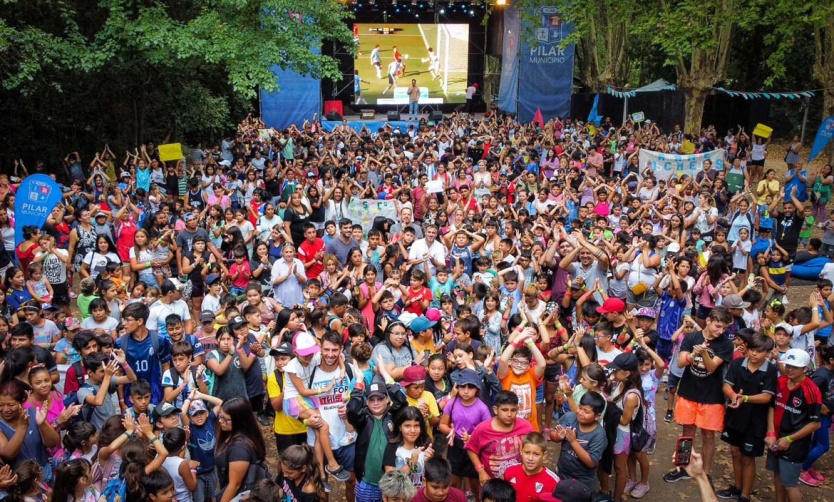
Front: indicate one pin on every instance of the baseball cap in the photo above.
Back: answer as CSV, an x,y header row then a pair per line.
x,y
646,312
72,324
797,358
165,409
211,279
304,344
612,305
421,324
413,375
571,490
196,407
377,388
625,361
469,377
285,349
734,302
207,316
433,314
237,322
101,213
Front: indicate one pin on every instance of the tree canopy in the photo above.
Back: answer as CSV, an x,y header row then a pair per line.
x,y
124,70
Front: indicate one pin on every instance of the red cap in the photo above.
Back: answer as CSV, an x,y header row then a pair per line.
x,y
612,306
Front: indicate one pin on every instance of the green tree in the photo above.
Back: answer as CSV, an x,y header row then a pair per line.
x,y
172,67
696,38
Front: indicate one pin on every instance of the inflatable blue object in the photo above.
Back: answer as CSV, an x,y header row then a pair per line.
x,y
810,270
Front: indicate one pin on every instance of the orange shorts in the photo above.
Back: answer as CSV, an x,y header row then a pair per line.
x,y
706,416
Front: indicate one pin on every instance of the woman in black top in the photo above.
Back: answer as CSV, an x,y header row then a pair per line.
x,y
316,206
295,217
239,446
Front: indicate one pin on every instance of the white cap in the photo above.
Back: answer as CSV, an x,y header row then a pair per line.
x,y
797,358
674,247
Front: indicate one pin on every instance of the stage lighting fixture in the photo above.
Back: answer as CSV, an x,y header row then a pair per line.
x,y
442,11
501,3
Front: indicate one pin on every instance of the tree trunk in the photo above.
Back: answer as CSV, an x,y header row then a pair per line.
x,y
696,97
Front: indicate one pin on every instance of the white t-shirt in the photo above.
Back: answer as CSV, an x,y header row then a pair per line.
x,y
159,311
420,248
108,325
54,270
329,404
741,253
210,303
604,358
301,372
98,262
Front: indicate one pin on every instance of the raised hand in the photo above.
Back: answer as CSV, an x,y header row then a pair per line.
x,y
129,423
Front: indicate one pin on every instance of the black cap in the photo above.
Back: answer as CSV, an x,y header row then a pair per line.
x,y
625,361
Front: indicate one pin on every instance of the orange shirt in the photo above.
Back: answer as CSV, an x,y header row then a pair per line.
x,y
524,386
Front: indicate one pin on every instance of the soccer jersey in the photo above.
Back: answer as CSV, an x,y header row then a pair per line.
x,y
794,409
145,363
529,487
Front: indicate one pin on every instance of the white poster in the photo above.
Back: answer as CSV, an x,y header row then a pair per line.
x,y
666,165
363,211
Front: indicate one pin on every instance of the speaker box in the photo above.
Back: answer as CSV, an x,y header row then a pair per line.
x,y
393,115
436,116
334,116
368,114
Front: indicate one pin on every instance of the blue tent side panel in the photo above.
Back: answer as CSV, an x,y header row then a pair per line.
x,y
298,98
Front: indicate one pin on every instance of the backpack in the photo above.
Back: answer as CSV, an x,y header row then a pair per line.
x,y
86,412
639,428
115,490
72,397
175,376
209,377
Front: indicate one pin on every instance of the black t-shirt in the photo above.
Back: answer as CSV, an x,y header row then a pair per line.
x,y
750,418
293,491
794,409
46,358
697,384
787,231
824,378
238,451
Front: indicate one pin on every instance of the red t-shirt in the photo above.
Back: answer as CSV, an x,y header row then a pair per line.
x,y
497,450
531,488
454,495
307,251
416,297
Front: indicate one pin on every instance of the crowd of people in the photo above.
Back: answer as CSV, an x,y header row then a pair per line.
x,y
552,291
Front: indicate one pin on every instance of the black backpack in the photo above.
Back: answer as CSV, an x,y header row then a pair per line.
x,y
72,397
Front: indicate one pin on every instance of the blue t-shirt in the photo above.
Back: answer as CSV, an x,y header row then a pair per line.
x,y
202,443
516,295
147,365
17,297
669,319
826,331
760,246
66,348
438,290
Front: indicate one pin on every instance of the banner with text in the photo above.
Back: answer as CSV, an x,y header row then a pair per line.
x,y
546,69
37,196
824,135
365,210
666,165
508,87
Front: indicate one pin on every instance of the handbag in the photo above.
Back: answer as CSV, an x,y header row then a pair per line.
x,y
641,287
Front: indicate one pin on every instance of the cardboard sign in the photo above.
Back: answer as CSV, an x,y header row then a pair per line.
x,y
171,151
638,117
434,186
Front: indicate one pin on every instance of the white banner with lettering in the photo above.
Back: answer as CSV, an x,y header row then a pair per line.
x,y
666,165
363,211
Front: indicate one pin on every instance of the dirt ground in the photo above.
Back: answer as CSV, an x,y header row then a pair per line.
x,y
722,471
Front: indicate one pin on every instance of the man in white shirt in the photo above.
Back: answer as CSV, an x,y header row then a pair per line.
x,y
170,302
393,68
428,250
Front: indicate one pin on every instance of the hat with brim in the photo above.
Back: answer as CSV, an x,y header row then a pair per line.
x,y
376,389
304,344
469,377
612,306
165,409
413,375
625,361
421,324
797,358
207,316
734,302
237,322
285,349
196,407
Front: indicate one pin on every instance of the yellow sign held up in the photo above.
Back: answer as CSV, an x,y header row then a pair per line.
x,y
762,131
171,151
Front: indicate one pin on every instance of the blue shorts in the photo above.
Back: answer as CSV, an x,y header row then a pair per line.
x,y
346,455
788,472
367,493
206,486
672,381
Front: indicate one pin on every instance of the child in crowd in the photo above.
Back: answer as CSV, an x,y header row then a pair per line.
x,y
530,478
201,422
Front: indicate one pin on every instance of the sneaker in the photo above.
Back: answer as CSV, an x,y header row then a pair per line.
x,y
630,484
675,476
809,480
348,439
639,491
669,417
340,474
816,475
327,486
729,493
264,420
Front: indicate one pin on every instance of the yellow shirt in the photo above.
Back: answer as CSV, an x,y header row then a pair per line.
x,y
434,411
419,347
284,424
